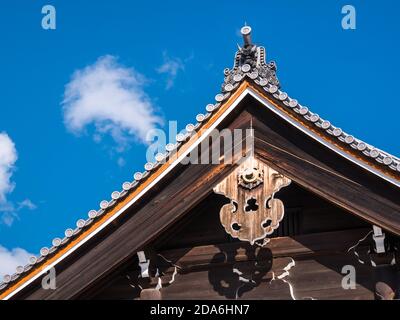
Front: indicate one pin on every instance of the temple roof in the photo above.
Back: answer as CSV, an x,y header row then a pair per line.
x,y
250,74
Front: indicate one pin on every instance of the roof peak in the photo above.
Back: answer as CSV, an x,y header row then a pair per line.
x,y
250,61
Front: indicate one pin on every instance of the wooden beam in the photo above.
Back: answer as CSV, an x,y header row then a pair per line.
x,y
316,176
299,247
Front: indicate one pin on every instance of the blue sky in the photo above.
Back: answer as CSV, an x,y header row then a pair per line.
x,y
172,55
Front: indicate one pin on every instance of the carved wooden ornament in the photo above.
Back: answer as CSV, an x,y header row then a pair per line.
x,y
253,212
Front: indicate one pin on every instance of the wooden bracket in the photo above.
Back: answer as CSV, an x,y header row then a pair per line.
x,y
253,212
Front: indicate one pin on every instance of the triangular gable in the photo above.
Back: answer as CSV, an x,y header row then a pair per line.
x,y
250,76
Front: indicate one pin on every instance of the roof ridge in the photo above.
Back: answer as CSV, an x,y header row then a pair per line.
x,y
249,63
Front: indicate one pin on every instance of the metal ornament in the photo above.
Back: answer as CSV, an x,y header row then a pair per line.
x,y
250,60
253,212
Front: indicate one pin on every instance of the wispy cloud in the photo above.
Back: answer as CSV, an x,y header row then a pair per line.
x,y
8,157
110,98
10,211
28,204
171,67
10,259
121,162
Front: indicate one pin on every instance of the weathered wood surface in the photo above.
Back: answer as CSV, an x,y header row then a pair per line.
x,y
304,213
212,272
300,246
309,279
253,212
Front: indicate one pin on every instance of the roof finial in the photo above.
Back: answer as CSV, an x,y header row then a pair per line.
x,y
246,33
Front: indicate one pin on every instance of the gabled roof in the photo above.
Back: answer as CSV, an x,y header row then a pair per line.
x,y
250,75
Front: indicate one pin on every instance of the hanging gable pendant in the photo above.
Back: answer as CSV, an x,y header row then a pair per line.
x,y
253,212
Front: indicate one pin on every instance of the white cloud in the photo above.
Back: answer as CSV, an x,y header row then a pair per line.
x,y
171,67
8,157
10,259
8,218
110,97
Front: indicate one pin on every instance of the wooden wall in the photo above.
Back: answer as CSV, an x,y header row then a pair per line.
x,y
211,265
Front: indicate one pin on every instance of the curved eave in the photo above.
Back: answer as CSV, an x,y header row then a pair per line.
x,y
334,144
